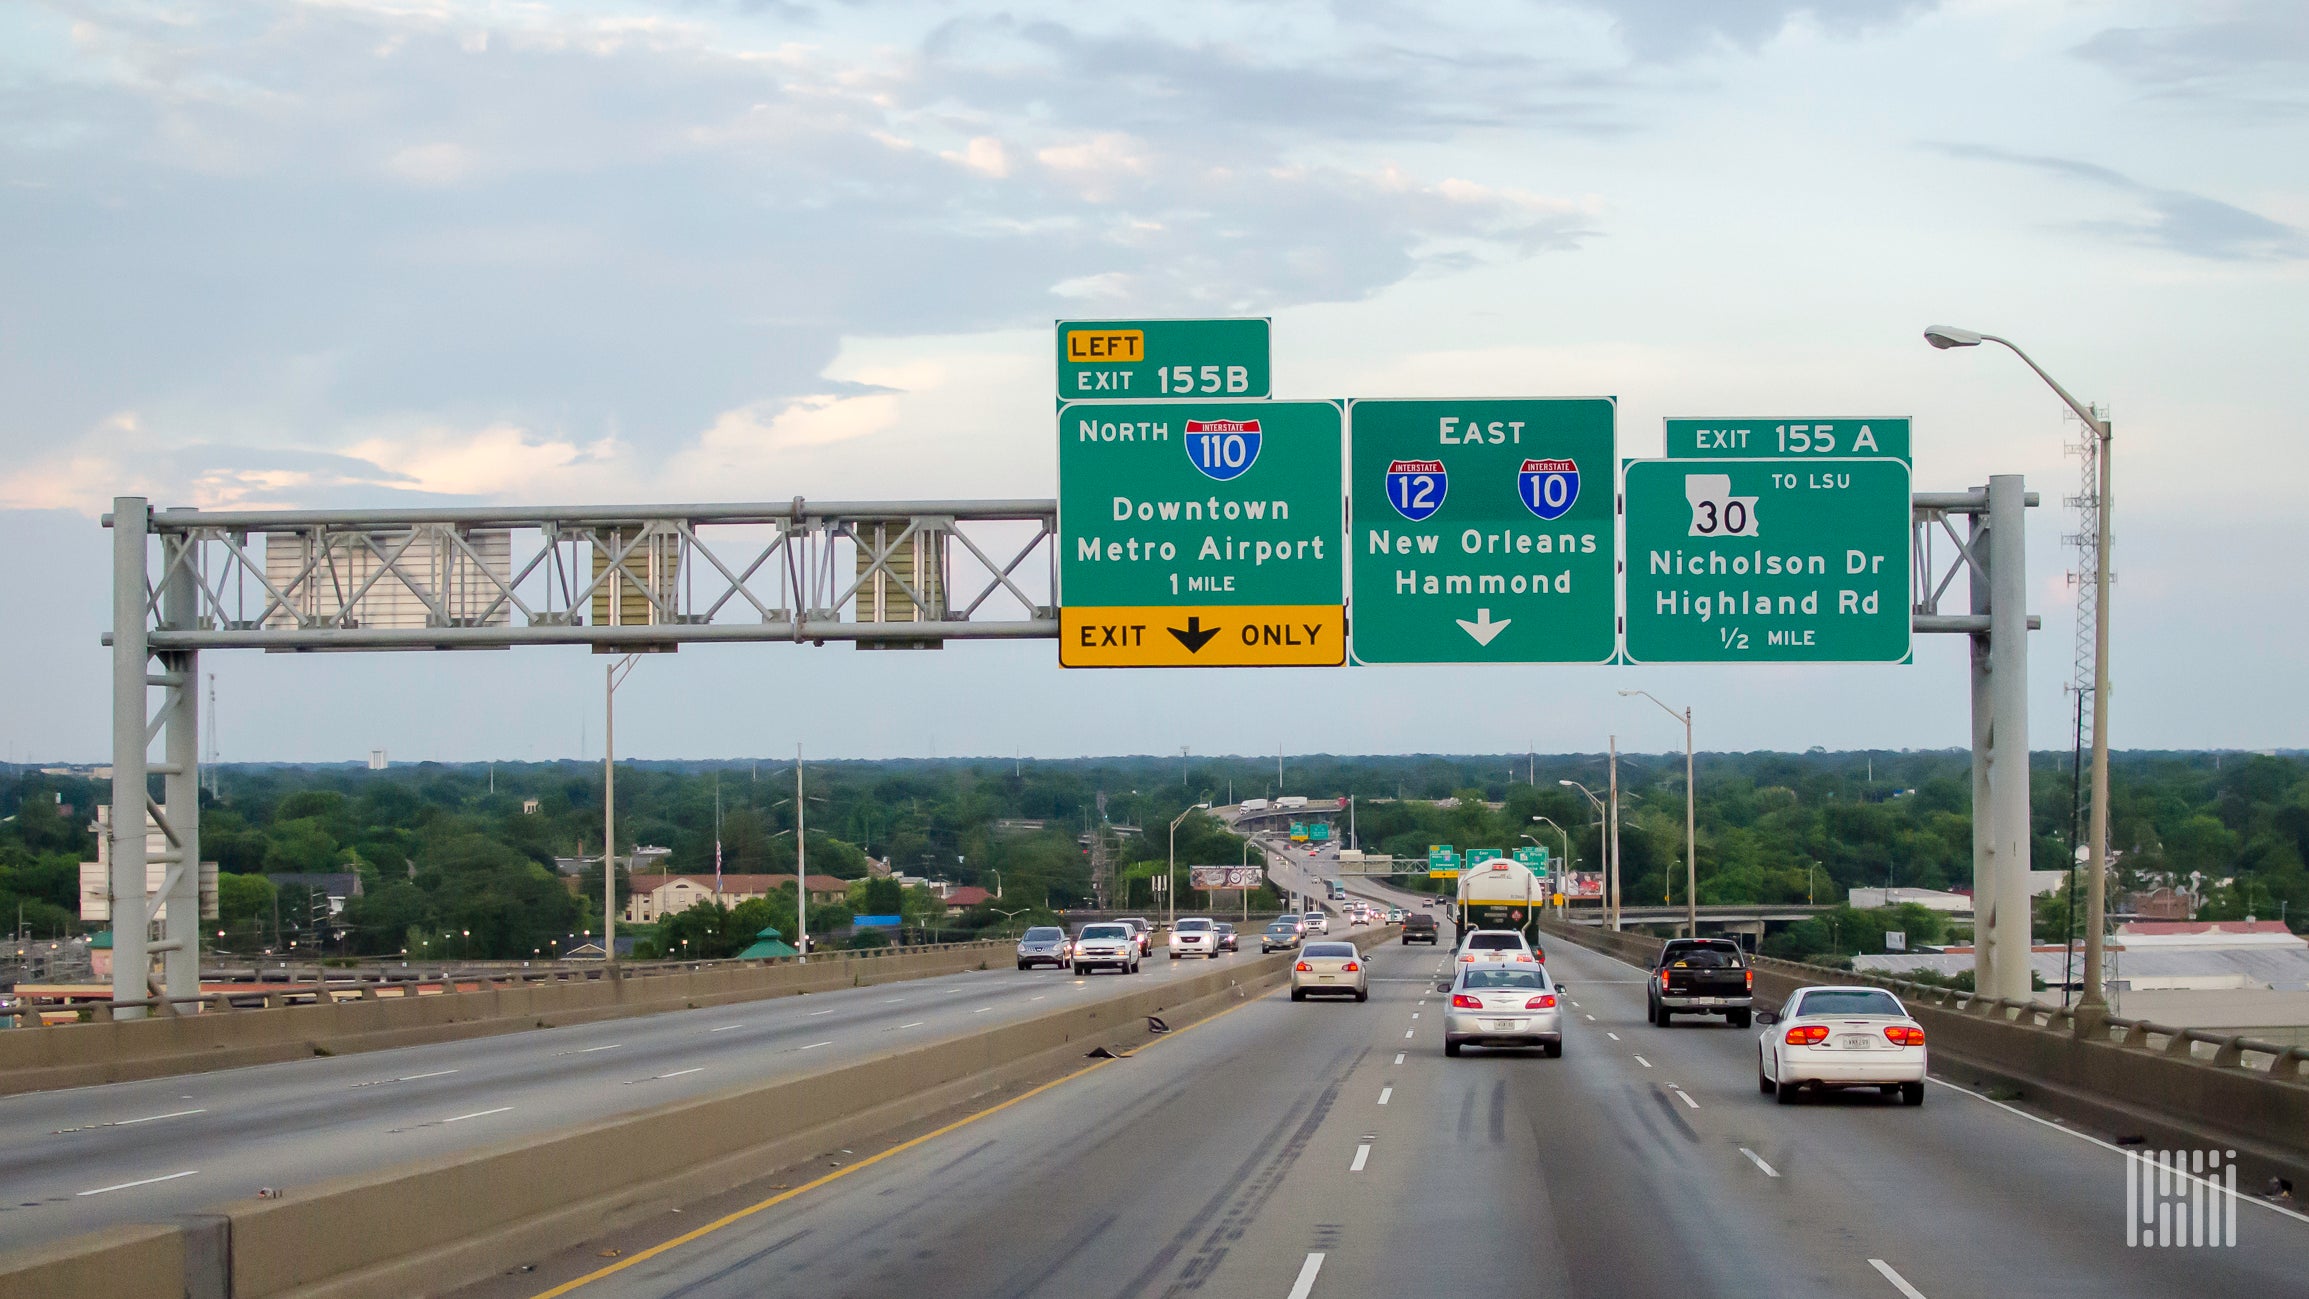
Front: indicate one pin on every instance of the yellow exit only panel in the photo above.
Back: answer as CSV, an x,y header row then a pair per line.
x,y
1206,636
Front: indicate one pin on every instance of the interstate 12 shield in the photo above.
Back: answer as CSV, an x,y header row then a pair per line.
x,y
1416,487
1222,448
1548,487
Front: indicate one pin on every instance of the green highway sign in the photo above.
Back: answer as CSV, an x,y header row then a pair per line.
x,y
1751,439
1482,530
1200,534
1162,360
1767,561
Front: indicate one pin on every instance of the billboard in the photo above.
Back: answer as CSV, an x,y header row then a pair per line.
x,y
1583,884
1220,879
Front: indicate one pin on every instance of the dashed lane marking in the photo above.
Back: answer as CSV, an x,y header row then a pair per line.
x,y
166,1177
1898,1281
1758,1161
1645,1063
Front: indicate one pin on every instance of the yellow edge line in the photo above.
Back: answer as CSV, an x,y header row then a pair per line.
x,y
869,1161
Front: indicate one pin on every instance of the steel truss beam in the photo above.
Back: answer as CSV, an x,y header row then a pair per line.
x,y
496,577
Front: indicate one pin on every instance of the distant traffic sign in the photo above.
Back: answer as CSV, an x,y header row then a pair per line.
x,y
1200,534
1155,360
1748,439
1482,530
1767,561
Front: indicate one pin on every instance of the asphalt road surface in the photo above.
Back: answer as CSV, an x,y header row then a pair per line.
x,y
1301,1151
75,1160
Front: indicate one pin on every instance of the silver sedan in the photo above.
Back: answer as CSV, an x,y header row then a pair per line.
x,y
1503,1006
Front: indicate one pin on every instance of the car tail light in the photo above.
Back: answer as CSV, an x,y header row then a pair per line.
x,y
1544,1001
1304,966
1350,967
1523,960
1663,980
1806,1035
1902,1035
1751,980
1461,1001
1469,958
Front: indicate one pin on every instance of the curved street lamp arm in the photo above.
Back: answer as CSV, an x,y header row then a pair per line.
x,y
2099,426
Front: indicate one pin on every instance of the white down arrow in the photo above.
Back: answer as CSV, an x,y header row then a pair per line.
x,y
1483,629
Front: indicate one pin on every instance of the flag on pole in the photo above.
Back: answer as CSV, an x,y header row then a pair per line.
x,y
717,868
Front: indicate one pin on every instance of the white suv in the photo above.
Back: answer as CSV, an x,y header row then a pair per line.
x,y
1318,923
1194,936
1496,946
1107,944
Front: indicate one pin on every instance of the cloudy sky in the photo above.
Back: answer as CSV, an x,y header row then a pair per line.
x,y
367,252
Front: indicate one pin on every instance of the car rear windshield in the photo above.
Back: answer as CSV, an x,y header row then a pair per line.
x,y
1332,949
1849,1001
1106,931
1282,927
1504,979
1711,956
1495,942
1419,920
1044,934
1193,926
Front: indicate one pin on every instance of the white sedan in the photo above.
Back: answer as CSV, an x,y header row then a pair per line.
x,y
1330,967
1835,1037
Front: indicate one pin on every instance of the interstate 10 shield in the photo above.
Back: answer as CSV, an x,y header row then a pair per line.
x,y
1548,487
1416,487
1222,448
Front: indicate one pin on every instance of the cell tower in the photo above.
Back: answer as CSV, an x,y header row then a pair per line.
x,y
209,760
2085,446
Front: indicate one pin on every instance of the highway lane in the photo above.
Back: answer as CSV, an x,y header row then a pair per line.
x,y
1330,1149
78,1159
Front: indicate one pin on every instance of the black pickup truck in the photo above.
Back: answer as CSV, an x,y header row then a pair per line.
x,y
1701,976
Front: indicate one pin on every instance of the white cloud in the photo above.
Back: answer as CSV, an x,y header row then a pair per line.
x,y
431,164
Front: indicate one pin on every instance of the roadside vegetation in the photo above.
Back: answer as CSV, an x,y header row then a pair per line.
x,y
460,859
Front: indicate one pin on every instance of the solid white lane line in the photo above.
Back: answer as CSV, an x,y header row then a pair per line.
x,y
815,1013
724,1028
815,1045
589,1050
982,1010
1362,1156
1645,1063
1898,1281
2112,1148
1613,1036
1684,1096
1035,998
1384,1093
916,1024
1758,1161
170,1177
155,1118
675,1074
1398,1057
892,1001
1305,1285
478,1114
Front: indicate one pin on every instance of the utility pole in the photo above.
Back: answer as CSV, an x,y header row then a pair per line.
x,y
1613,884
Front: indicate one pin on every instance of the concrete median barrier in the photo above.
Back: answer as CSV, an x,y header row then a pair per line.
x,y
82,1055
435,1225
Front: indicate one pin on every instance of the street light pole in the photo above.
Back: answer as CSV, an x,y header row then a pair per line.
x,y
613,675
1607,835
1171,877
2092,1004
1691,818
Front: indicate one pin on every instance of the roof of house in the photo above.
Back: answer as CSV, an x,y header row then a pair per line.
x,y
2150,928
969,895
744,885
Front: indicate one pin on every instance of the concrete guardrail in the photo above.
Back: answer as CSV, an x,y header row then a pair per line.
x,y
343,1019
2164,1085
439,1224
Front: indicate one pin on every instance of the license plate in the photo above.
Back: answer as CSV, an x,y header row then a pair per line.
x,y
1856,1042
1709,1001
1503,1025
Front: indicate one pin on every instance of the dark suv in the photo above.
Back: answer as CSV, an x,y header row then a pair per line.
x,y
1419,927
